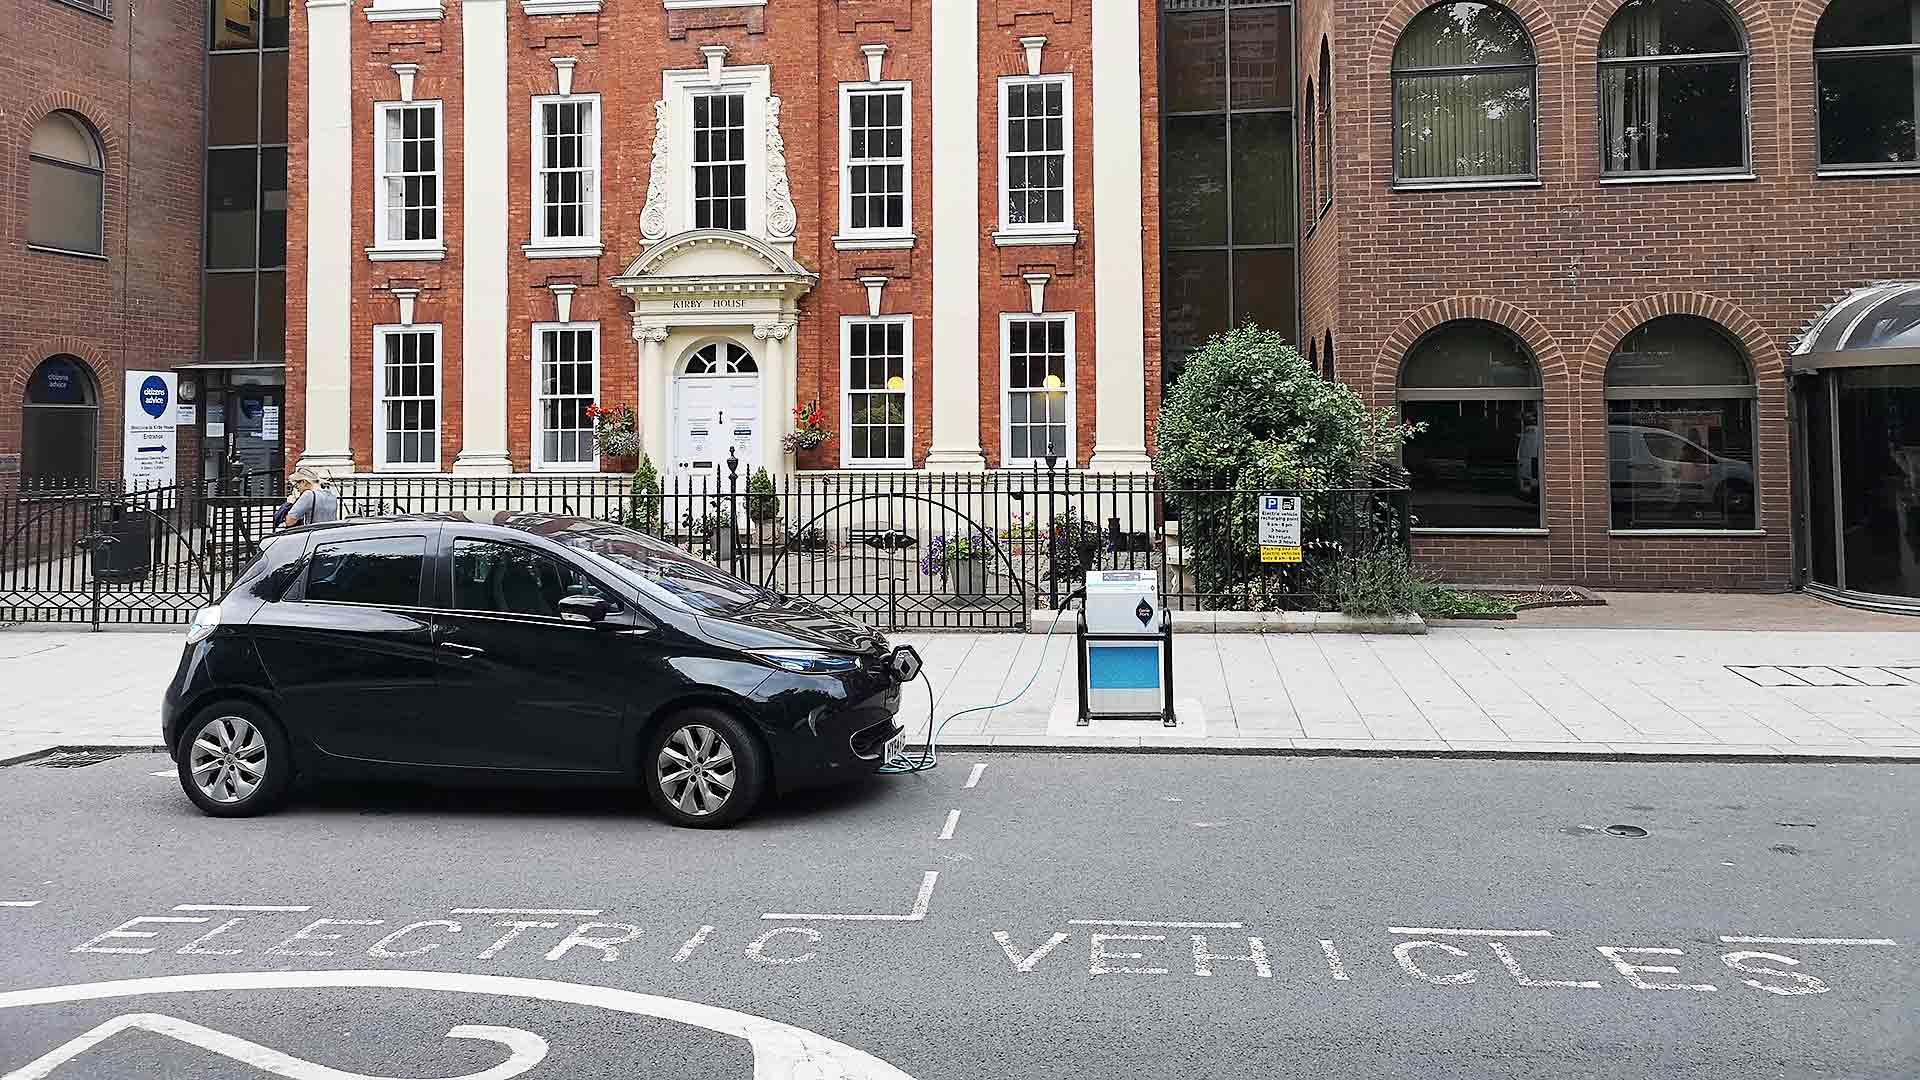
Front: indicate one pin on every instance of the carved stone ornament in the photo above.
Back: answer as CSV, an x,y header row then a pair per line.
x,y
781,219
772,331
653,333
653,218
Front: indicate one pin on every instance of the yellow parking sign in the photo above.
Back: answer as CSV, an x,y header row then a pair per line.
x,y
1269,553
1280,529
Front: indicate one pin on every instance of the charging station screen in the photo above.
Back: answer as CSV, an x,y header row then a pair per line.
x,y
1123,667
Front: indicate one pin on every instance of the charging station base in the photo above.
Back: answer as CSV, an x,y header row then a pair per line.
x,y
1062,723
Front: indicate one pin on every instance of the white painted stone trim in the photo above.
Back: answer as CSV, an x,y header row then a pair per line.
x,y
1119,254
484,306
1064,237
406,254
535,8
856,242
905,91
695,5
562,251
672,211
405,11
330,135
956,225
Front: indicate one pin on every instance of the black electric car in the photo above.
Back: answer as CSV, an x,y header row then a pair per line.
x,y
524,647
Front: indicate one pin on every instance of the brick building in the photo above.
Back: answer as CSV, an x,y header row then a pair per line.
x,y
100,120
1582,243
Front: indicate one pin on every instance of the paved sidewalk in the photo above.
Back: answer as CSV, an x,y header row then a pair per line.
x,y
1473,690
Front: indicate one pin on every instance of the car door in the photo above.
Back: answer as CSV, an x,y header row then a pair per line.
x,y
523,688
349,646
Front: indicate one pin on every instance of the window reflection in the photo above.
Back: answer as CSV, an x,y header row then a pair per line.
x,y
1879,429
1680,445
1477,464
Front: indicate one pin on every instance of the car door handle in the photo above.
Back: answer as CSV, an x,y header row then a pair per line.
x,y
463,650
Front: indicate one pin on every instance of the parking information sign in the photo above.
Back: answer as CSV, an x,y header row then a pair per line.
x,y
1279,528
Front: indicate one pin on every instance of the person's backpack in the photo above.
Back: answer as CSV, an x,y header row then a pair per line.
x,y
280,513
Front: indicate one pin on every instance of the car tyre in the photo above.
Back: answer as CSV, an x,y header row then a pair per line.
x,y
233,760
704,769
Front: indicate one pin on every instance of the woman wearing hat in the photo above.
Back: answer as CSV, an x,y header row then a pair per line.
x,y
313,500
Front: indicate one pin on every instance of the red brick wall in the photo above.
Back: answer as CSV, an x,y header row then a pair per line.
x,y
138,307
1573,265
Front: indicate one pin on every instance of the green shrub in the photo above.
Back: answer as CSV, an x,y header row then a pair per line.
x,y
643,502
763,505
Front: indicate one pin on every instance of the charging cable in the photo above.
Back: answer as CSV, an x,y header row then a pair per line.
x,y
929,756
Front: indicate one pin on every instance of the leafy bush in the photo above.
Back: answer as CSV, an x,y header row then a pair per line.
x,y
1383,582
643,503
1248,415
763,505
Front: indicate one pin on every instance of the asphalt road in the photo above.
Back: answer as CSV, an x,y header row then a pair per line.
x,y
1088,916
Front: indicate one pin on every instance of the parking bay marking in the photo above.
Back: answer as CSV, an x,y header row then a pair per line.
x,y
1441,931
974,776
19,903
581,912
922,903
243,907
953,821
1742,939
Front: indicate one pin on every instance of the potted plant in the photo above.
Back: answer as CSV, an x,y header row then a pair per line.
x,y
643,505
616,433
961,557
809,431
763,504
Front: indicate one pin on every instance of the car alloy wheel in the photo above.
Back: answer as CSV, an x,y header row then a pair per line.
x,y
228,759
696,770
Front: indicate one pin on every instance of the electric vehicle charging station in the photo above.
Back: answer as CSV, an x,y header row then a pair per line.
x,y
1124,645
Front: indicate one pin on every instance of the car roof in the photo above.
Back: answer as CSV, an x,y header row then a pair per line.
x,y
521,521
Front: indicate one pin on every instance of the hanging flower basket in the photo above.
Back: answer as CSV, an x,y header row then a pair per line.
x,y
616,433
809,432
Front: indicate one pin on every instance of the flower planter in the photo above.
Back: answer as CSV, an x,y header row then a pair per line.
x,y
968,577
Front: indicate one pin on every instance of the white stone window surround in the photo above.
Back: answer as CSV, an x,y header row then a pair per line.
x,y
1067,453
678,89
539,398
381,335
847,323
588,244
405,10
695,5
386,248
1008,233
535,8
870,239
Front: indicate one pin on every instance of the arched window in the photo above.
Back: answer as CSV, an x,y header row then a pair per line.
x,y
721,359
1323,119
1867,61
67,187
1680,403
1328,354
1310,160
1463,92
59,423
1673,77
1477,464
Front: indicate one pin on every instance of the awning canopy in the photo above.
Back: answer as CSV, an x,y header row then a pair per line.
x,y
1874,326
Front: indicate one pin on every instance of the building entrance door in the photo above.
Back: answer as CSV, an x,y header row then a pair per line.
x,y
716,409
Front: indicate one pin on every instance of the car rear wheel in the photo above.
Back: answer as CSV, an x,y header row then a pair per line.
x,y
704,769
233,760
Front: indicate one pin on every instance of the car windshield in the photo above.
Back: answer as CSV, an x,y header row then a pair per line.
x,y
662,569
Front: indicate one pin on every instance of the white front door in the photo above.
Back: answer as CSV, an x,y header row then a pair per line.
x,y
712,414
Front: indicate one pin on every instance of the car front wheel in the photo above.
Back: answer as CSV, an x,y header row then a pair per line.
x,y
704,769
233,761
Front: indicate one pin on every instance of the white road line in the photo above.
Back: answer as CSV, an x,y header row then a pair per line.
x,y
974,776
1437,931
164,772
921,904
953,820
1160,924
699,938
242,907
583,912
19,903
1739,939
1333,961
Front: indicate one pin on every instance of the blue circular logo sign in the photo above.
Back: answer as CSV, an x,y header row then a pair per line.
x,y
153,396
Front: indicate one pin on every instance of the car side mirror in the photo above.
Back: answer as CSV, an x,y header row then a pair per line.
x,y
585,609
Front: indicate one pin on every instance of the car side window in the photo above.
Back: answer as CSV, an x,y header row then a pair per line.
x,y
381,572
513,580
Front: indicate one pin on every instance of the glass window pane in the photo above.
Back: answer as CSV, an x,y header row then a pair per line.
x,y
1868,108
65,206
1194,192
1462,35
1868,22
1681,464
232,207
272,348
227,319
1261,64
1469,352
1677,350
275,31
1476,466
273,207
1263,178
1456,127
233,99
1672,116
273,97
1670,28
1263,290
236,24
1193,300
1879,442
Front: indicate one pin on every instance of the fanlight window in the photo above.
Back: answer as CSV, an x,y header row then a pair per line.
x,y
721,359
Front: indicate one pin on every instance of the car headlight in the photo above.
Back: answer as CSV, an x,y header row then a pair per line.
x,y
205,622
808,661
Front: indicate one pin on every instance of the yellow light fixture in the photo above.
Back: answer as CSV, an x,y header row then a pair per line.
x,y
896,383
1053,383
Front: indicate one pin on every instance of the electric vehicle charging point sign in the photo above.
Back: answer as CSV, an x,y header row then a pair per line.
x,y
1280,529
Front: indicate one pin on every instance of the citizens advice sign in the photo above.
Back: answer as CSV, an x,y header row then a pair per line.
x,y
147,445
1280,529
